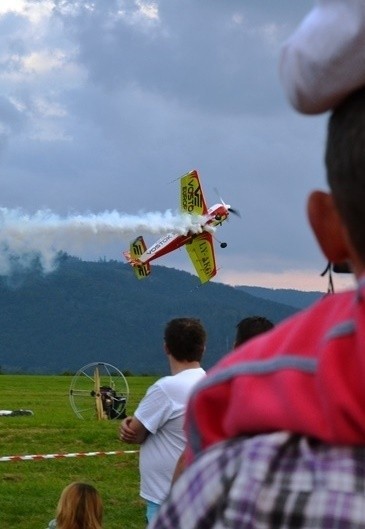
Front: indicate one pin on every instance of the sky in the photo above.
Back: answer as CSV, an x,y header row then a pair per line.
x,y
104,104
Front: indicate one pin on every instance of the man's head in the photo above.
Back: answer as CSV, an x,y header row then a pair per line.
x,y
338,219
250,327
185,339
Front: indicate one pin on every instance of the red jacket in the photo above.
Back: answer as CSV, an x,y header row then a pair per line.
x,y
307,376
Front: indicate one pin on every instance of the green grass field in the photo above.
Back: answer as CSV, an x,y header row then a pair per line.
x,y
29,490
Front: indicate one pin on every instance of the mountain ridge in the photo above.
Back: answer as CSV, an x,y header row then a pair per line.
x,y
98,311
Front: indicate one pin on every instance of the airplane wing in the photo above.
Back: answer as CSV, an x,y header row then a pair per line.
x,y
192,199
201,253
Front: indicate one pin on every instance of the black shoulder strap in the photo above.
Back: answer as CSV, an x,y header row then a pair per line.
x,y
328,270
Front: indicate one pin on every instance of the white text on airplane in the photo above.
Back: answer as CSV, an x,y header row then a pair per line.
x,y
160,243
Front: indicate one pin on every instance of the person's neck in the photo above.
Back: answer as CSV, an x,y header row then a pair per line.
x,y
177,367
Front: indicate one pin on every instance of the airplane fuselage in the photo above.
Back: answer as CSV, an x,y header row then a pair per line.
x,y
172,241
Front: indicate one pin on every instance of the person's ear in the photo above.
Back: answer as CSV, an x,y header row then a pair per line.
x,y
327,226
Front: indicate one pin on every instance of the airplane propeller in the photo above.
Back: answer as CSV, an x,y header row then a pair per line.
x,y
229,208
98,402
234,211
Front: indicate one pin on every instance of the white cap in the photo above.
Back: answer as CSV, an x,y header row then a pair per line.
x,y
324,60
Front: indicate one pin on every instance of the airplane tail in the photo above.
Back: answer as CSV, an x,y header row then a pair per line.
x,y
136,249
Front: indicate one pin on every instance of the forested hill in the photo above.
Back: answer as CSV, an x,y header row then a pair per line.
x,y
98,311
294,298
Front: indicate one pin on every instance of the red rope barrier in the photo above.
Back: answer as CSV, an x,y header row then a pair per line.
x,y
41,457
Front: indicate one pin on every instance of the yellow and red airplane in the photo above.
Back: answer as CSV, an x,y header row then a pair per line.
x,y
199,245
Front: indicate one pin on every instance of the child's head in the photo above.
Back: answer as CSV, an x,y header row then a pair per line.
x,y
79,507
250,327
345,160
338,218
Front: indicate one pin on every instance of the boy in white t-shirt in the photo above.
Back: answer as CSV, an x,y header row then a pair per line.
x,y
157,424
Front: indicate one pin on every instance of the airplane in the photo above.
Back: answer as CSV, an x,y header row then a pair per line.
x,y
199,245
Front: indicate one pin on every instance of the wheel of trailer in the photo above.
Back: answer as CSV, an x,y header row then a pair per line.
x,y
99,391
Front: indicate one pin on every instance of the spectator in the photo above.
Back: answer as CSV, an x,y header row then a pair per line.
x,y
295,457
79,507
250,327
247,328
157,424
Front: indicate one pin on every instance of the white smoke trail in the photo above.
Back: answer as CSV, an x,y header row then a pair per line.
x,y
44,234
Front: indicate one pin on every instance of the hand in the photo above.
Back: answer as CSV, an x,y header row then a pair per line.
x,y
126,432
132,431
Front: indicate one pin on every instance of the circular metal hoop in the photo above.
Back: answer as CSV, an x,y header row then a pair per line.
x,y
99,390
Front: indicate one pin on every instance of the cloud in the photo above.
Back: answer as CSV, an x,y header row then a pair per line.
x,y
105,103
11,121
179,56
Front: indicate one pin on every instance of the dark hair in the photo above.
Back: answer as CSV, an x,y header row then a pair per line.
x,y
345,163
250,327
185,339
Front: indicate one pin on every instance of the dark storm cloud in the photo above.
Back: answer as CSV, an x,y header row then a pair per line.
x,y
115,99
211,56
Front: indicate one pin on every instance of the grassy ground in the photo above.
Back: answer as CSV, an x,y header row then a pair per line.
x,y
29,490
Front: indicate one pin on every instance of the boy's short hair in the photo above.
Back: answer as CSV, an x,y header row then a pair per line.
x,y
185,339
250,327
345,164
